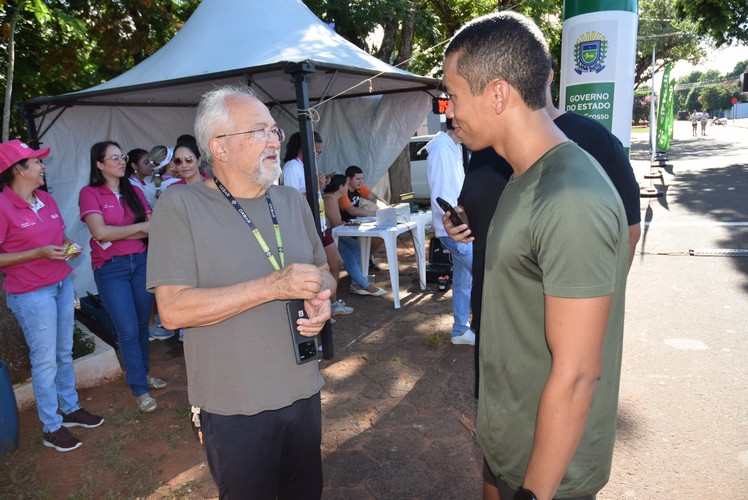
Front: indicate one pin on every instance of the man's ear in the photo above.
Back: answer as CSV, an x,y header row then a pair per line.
x,y
499,92
217,149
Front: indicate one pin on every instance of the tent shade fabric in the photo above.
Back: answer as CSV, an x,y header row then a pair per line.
x,y
365,109
226,40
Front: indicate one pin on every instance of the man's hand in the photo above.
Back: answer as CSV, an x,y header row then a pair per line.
x,y
299,281
460,234
319,311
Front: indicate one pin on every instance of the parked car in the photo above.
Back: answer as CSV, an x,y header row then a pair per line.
x,y
418,177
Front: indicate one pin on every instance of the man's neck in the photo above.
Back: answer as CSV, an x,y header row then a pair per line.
x,y
238,186
521,149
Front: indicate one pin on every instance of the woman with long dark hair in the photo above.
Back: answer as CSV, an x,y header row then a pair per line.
x,y
117,215
33,257
138,168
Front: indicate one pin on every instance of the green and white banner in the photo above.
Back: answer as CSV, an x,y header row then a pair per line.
x,y
598,54
665,111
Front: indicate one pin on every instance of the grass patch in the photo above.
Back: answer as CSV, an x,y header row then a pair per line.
x,y
18,479
127,417
434,340
83,343
179,492
184,410
175,436
86,491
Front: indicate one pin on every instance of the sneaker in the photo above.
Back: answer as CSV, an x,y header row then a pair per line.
x,y
159,333
340,309
81,418
373,267
61,440
467,338
376,292
146,403
156,383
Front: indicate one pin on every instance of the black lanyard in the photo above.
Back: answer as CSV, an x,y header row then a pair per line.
x,y
253,228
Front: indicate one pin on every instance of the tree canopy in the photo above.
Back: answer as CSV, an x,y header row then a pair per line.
x,y
68,45
723,21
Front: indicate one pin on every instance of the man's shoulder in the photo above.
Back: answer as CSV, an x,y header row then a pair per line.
x,y
571,123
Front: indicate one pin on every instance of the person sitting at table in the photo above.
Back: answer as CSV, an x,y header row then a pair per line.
x,y
347,246
351,205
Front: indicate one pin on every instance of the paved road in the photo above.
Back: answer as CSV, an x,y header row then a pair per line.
x,y
683,418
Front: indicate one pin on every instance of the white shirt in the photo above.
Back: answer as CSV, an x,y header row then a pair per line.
x,y
293,175
445,174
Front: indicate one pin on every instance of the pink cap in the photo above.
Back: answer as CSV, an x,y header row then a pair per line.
x,y
13,151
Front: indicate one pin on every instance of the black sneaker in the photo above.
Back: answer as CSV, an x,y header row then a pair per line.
x,y
373,267
81,418
61,440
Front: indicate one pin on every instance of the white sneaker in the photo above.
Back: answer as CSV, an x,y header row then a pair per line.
x,y
467,338
340,309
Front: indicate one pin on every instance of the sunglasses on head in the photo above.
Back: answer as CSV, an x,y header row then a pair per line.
x,y
188,160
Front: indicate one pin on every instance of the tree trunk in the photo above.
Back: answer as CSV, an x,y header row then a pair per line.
x,y
406,37
388,39
9,74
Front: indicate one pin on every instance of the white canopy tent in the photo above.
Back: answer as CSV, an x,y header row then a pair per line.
x,y
365,109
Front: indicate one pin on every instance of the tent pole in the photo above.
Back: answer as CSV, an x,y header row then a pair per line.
x,y
299,72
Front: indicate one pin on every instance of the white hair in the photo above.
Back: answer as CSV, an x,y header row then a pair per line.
x,y
213,112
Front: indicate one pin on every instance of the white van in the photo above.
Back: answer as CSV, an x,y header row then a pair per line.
x,y
418,177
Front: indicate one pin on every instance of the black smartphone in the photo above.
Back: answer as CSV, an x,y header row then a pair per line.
x,y
453,216
304,348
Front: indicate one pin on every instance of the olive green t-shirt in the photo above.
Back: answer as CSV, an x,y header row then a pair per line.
x,y
245,364
559,230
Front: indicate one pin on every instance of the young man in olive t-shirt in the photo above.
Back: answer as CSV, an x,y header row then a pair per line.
x,y
555,275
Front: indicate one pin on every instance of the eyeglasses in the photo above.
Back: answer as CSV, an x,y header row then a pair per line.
x,y
187,160
116,158
261,134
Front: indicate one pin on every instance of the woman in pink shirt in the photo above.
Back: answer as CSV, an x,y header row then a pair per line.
x,y
33,257
117,215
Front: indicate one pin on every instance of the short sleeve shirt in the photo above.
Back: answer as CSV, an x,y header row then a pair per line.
x,y
559,230
112,207
593,137
23,229
245,364
354,198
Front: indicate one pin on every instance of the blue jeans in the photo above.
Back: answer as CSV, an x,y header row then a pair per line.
x,y
462,281
46,318
350,251
121,285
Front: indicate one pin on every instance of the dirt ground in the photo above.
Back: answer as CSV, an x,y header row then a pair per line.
x,y
395,388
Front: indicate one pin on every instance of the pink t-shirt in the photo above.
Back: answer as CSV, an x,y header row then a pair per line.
x,y
21,229
114,210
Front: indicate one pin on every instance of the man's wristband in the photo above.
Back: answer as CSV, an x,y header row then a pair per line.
x,y
524,494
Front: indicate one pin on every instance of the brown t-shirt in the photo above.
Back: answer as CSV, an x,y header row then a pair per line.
x,y
245,364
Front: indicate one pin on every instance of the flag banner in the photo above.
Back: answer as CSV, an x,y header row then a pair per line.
x,y
664,108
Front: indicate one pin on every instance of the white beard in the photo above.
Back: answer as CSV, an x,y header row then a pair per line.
x,y
265,177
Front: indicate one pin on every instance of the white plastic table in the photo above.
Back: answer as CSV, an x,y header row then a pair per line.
x,y
368,230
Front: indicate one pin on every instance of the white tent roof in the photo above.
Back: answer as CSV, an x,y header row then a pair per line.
x,y
227,41
239,42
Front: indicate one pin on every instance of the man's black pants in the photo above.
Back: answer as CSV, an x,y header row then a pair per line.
x,y
274,454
